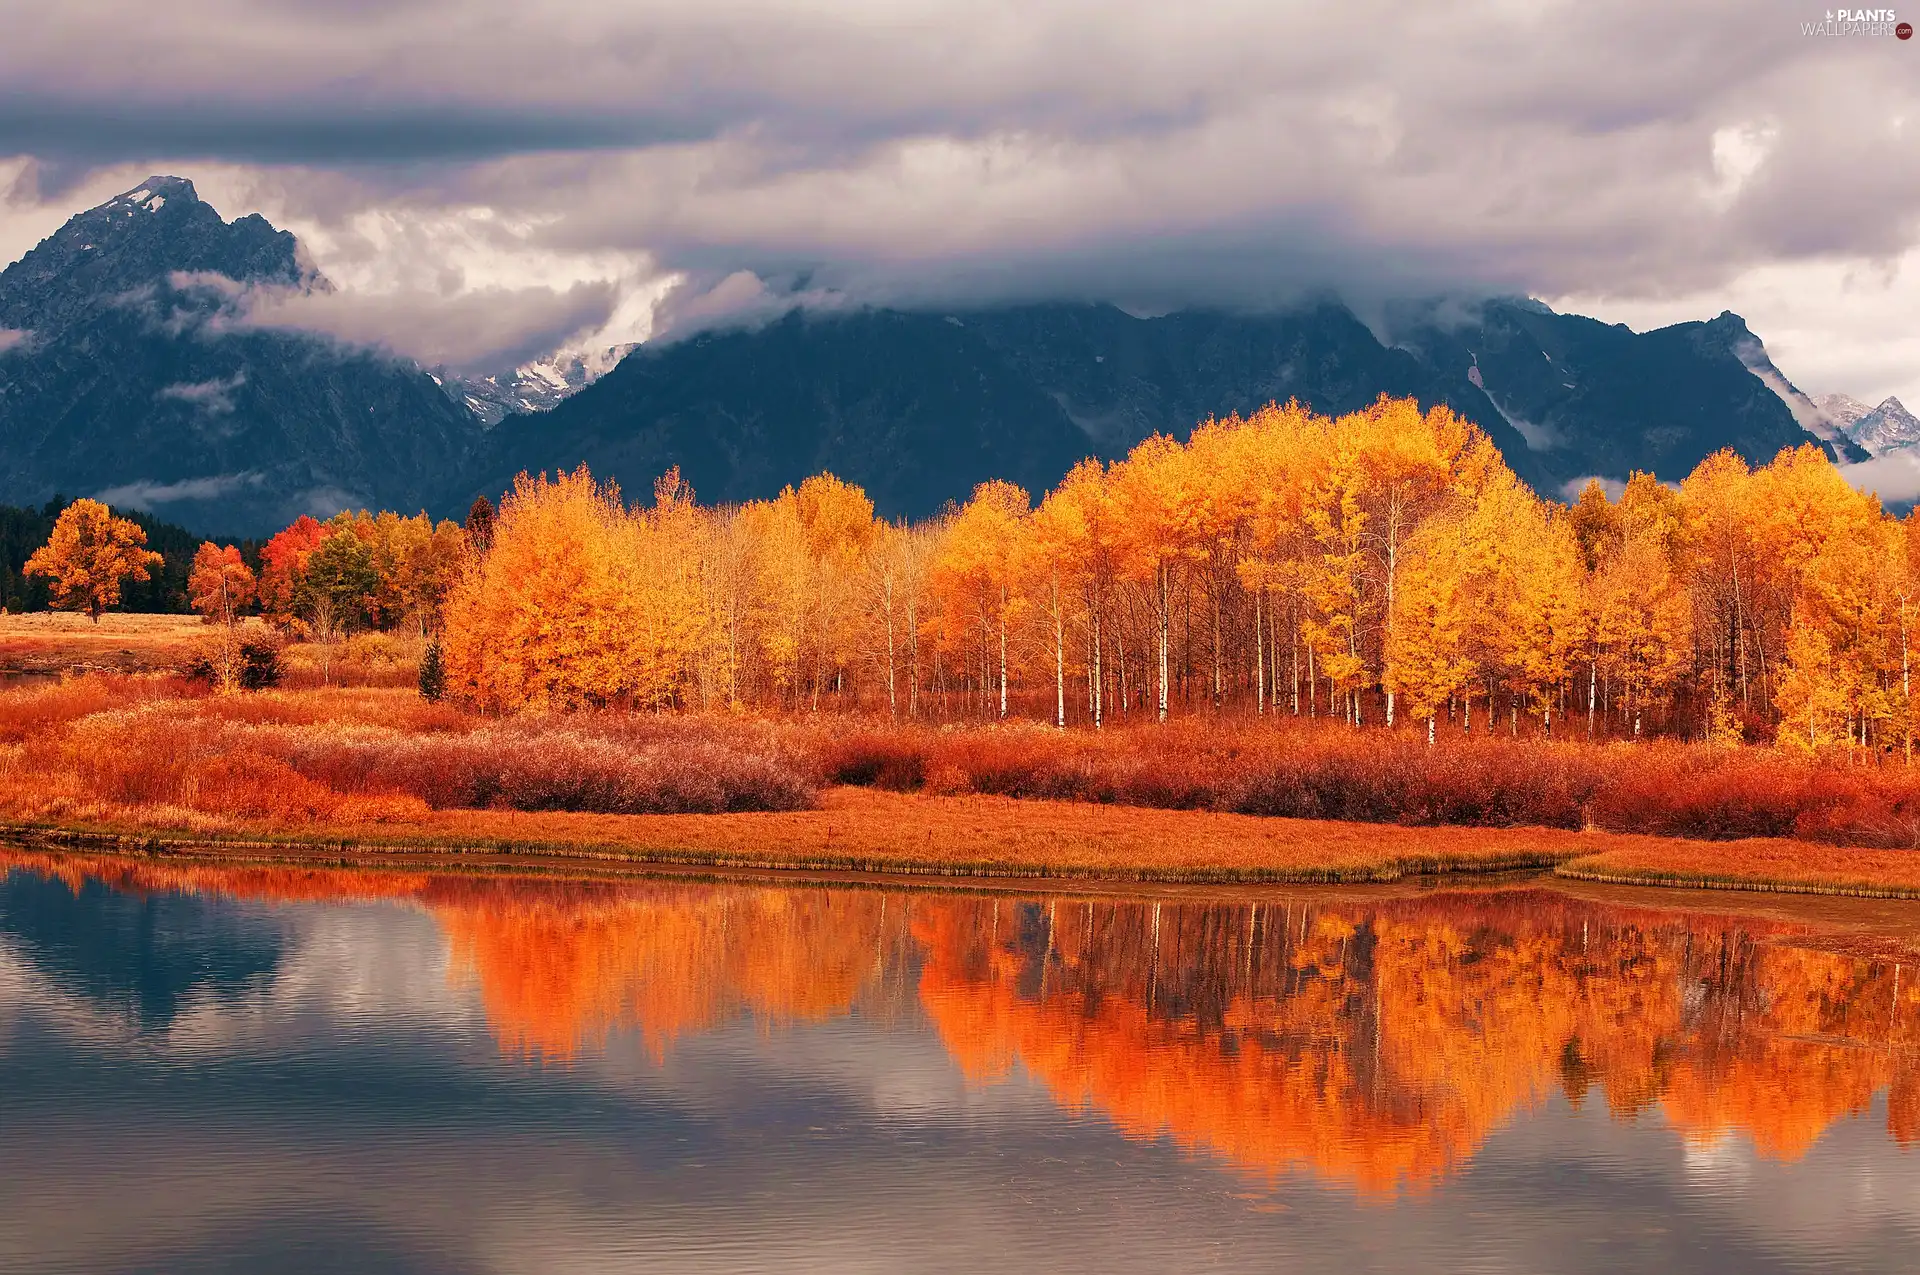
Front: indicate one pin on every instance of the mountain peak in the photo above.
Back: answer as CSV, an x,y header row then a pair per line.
x,y
154,191
1844,409
138,240
1886,427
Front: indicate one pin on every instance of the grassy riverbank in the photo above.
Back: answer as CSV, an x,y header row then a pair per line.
x,y
854,829
372,771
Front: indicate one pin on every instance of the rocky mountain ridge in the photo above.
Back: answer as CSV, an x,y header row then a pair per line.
x,y
130,369
133,374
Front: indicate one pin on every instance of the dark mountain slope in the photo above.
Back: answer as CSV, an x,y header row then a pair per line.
x,y
132,376
918,407
914,408
1599,399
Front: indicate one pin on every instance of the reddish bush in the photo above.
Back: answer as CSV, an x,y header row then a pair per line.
x,y
37,707
1331,772
152,741
226,755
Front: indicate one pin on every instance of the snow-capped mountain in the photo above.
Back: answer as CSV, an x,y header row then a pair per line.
x,y
1883,428
1813,417
1842,409
531,387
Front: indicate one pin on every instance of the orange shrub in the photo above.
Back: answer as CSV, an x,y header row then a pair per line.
x,y
1331,772
295,755
156,741
35,707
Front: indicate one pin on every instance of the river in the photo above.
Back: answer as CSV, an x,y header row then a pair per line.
x,y
223,1069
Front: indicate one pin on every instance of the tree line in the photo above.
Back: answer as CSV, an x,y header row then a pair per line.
x,y
1385,566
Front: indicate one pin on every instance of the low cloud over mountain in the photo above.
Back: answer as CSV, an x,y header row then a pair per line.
x,y
950,153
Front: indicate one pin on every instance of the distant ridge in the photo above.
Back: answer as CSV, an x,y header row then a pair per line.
x,y
128,371
917,407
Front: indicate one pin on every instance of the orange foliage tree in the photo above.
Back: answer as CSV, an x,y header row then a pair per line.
x,y
221,585
90,555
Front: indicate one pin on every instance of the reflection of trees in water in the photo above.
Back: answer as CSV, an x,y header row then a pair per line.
x,y
1381,1044
560,964
1377,1044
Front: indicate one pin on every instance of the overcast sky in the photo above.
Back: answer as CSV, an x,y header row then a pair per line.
x,y
574,165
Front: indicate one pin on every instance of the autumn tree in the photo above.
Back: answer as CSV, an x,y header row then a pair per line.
x,y
90,554
335,589
1813,696
1148,491
1383,561
578,601
1428,656
283,564
221,585
977,571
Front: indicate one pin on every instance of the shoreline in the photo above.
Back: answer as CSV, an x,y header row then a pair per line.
x,y
868,833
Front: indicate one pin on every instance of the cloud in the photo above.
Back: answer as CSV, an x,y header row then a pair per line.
x,y
936,151
741,299
1894,477
146,496
13,338
476,330
215,397
1571,489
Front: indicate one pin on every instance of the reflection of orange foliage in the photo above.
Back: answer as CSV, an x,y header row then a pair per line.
x,y
559,965
1380,1046
1376,1044
257,884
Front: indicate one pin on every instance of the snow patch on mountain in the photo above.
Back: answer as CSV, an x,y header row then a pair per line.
x,y
1539,438
532,387
1843,409
1885,428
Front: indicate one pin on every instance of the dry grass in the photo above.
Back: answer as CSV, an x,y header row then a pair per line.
x,y
1771,865
870,831
63,641
155,755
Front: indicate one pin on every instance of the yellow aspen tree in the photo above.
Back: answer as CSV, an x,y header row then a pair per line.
x,y
1337,520
1813,703
1428,659
1539,605
1650,626
1724,577
1412,465
889,577
782,593
837,524
1060,561
550,615
977,569
1155,536
667,544
1286,459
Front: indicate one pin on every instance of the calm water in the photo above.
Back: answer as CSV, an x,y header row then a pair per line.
x,y
268,1070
